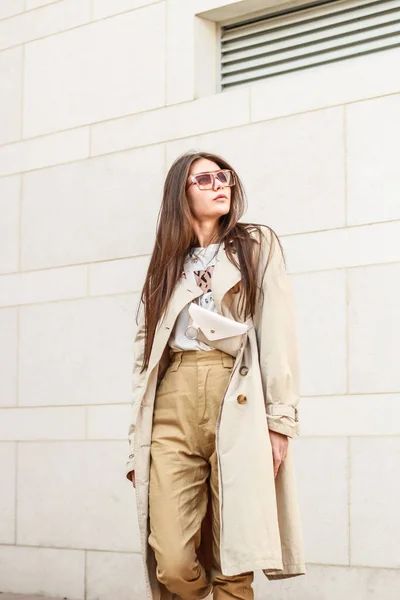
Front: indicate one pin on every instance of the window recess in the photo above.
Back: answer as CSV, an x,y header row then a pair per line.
x,y
300,38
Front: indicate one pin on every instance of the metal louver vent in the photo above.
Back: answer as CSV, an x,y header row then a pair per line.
x,y
305,37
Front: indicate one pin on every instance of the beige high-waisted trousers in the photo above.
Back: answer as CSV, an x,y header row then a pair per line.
x,y
184,475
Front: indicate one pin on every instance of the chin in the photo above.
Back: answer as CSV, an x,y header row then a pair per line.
x,y
222,210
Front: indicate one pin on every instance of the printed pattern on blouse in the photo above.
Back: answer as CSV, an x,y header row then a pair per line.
x,y
204,278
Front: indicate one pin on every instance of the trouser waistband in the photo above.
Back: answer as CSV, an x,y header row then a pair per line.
x,y
200,357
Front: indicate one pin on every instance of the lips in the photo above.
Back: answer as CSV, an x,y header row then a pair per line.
x,y
220,196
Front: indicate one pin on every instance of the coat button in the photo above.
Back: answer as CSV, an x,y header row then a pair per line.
x,y
241,399
243,370
235,289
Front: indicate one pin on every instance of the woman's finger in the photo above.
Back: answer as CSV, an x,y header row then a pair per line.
x,y
277,464
279,444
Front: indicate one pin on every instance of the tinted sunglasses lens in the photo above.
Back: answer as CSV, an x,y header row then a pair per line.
x,y
222,176
204,181
225,177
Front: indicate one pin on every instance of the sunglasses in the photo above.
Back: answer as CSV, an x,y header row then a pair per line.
x,y
206,181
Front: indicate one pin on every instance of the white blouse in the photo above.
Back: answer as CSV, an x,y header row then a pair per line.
x,y
200,272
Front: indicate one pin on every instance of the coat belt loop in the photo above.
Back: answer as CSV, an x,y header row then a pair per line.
x,y
177,360
227,360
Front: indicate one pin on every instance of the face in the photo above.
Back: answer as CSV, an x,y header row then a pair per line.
x,y
208,204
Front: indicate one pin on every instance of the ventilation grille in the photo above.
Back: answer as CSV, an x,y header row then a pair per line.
x,y
305,37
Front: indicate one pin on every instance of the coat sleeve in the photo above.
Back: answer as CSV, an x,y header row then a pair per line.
x,y
276,332
138,354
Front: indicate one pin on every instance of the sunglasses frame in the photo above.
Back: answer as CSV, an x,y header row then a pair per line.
x,y
213,175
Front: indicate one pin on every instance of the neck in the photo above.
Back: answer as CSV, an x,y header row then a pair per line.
x,y
205,232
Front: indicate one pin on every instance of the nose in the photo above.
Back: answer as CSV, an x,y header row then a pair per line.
x,y
218,184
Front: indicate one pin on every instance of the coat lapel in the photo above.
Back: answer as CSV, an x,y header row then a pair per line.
x,y
225,276
185,291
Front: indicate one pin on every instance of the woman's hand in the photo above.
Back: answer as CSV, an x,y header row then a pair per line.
x,y
279,443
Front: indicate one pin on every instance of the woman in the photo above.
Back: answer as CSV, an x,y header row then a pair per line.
x,y
214,410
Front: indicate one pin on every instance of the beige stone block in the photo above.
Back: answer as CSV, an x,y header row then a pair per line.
x,y
292,169
44,151
109,68
8,356
343,248
49,20
7,496
328,85
206,65
180,52
221,111
118,276
42,423
232,9
369,414
43,286
92,211
374,502
85,352
76,495
373,131
177,147
322,481
42,571
321,315
10,92
31,4
24,597
374,329
108,422
9,223
114,575
105,8
327,582
8,9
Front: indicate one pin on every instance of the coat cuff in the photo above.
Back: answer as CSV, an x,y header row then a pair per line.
x,y
283,418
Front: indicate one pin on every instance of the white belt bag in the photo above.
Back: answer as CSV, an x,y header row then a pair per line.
x,y
216,330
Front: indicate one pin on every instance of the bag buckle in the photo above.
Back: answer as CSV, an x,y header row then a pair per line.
x,y
189,332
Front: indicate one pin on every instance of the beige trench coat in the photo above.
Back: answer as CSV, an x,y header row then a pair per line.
x,y
260,522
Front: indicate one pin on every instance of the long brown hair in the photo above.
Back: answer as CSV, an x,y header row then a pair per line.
x,y
175,236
